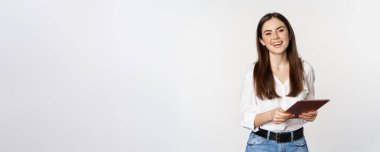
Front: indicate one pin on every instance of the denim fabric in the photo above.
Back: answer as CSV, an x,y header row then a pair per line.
x,y
259,144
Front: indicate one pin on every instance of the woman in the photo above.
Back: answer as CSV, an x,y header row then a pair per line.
x,y
275,82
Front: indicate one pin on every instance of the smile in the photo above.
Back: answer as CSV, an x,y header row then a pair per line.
x,y
277,44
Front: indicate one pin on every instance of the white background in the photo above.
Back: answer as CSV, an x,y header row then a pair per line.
x,y
165,75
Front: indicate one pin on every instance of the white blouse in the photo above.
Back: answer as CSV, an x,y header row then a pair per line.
x,y
251,105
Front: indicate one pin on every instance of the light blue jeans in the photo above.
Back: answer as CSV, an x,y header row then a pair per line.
x,y
259,144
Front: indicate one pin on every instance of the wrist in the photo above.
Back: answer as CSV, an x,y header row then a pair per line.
x,y
270,115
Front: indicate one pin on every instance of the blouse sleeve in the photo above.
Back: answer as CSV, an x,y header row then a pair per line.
x,y
310,78
248,105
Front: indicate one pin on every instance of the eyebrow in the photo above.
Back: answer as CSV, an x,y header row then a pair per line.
x,y
276,29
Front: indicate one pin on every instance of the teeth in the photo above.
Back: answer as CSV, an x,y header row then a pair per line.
x,y
277,43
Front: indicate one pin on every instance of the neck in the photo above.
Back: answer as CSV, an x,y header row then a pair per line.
x,y
278,61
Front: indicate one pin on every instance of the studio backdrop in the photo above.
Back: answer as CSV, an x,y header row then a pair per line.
x,y
166,76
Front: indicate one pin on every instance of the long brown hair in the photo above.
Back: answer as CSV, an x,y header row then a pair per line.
x,y
263,75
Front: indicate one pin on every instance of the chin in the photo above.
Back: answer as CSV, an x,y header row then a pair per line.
x,y
277,51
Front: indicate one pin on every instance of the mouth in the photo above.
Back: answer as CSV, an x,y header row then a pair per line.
x,y
277,44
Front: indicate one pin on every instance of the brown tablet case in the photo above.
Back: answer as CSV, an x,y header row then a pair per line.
x,y
304,106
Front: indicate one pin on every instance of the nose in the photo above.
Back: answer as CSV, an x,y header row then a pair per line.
x,y
275,36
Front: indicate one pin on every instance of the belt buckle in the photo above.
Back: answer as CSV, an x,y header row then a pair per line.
x,y
280,137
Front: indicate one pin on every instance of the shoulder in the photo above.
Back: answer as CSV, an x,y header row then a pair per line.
x,y
307,67
251,67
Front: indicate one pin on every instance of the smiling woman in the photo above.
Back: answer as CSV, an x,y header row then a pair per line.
x,y
275,82
275,36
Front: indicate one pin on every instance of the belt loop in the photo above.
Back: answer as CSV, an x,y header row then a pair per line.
x,y
292,134
268,135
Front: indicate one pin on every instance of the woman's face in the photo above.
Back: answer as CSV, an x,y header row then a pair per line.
x,y
275,36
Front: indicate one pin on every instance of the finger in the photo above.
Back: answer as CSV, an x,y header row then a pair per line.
x,y
278,121
310,119
313,112
312,116
304,117
289,116
308,114
281,119
283,114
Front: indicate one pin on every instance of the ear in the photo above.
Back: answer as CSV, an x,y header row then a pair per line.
x,y
262,42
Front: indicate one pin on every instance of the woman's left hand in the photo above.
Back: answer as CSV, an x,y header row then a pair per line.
x,y
309,116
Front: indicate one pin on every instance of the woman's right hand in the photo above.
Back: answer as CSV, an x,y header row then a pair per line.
x,y
278,115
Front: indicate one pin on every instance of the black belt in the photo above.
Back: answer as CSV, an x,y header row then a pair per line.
x,y
281,137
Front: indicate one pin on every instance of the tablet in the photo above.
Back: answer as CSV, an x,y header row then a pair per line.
x,y
304,106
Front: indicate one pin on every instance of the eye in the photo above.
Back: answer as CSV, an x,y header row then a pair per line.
x,y
281,30
267,33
